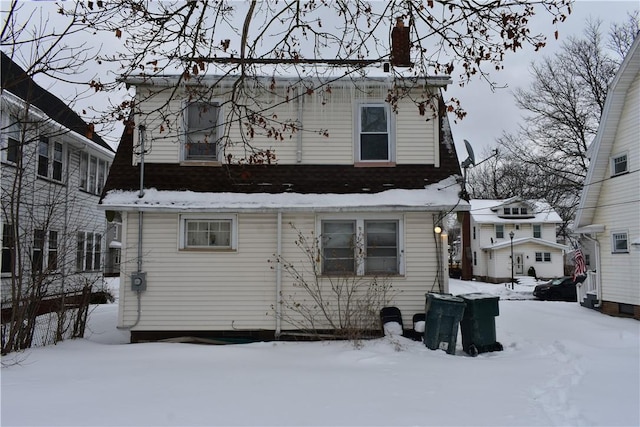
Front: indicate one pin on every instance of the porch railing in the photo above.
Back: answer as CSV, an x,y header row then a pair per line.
x,y
589,286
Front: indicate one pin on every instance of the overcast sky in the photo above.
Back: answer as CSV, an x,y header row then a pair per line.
x,y
489,113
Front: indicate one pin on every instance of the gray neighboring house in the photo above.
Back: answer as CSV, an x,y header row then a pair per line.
x,y
54,167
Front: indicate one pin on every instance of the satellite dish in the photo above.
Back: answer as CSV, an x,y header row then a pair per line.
x,y
471,159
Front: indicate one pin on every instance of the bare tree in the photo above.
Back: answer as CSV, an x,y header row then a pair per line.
x,y
42,212
547,157
314,42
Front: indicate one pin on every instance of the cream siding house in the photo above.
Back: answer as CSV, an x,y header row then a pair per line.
x,y
525,227
608,216
204,240
54,168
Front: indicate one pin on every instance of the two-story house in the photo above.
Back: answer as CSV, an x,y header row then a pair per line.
x,y
608,216
54,167
507,237
202,236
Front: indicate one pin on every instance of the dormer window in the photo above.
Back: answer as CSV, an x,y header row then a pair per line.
x,y
523,211
507,211
202,131
515,211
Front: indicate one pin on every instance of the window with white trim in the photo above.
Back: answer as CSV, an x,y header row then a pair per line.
x,y
202,131
208,232
543,256
37,257
89,251
92,173
13,148
50,159
374,138
619,242
537,231
8,247
619,165
361,246
499,231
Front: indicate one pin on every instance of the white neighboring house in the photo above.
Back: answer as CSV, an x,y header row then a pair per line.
x,y
533,224
198,237
53,171
608,216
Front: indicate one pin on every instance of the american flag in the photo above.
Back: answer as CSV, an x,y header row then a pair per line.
x,y
580,266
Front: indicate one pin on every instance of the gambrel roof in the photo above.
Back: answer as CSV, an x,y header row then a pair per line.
x,y
16,81
601,148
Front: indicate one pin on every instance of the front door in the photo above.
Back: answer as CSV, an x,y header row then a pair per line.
x,y
519,266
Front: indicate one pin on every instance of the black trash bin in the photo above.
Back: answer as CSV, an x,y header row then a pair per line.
x,y
478,325
442,314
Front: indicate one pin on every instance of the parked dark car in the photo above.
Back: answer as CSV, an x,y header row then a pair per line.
x,y
559,289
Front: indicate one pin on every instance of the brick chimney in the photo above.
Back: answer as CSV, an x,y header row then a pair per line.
x,y
400,46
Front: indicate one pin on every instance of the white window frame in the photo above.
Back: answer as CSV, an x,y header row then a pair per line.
x,y
51,158
8,246
616,236
506,211
619,159
499,230
182,237
216,136
361,240
88,257
11,132
539,231
390,132
92,173
543,256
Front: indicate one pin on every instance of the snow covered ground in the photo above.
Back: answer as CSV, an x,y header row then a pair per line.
x,y
562,365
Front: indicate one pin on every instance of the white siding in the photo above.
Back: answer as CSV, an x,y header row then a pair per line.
x,y
236,290
327,118
618,207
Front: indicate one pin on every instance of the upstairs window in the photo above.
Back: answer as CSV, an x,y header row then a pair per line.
x,y
619,243
12,131
524,211
537,231
374,133
619,165
202,131
50,159
515,211
92,173
38,249
507,211
499,231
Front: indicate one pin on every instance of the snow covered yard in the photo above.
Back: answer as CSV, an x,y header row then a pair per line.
x,y
561,365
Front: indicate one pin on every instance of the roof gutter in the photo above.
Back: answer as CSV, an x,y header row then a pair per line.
x,y
285,209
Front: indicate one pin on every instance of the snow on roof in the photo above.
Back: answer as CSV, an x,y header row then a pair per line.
x,y
443,195
542,211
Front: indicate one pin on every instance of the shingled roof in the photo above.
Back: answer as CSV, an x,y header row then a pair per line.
x,y
277,178
18,82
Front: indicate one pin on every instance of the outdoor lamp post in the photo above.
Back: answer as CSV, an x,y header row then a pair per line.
x,y
511,237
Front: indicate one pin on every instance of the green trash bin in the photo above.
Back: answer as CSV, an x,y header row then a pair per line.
x,y
478,325
443,313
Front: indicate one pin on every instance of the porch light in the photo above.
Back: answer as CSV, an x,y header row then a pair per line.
x,y
437,229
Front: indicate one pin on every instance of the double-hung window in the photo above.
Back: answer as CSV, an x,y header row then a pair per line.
x,y
93,173
537,231
89,251
499,231
8,247
619,242
13,140
543,256
375,139
360,246
207,232
50,159
203,130
38,249
618,165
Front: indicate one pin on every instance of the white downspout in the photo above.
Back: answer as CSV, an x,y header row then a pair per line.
x,y
598,271
279,277
300,96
